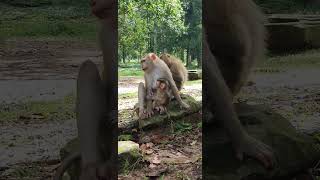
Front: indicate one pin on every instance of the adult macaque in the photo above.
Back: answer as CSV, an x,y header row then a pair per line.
x,y
97,104
154,68
162,96
178,70
233,40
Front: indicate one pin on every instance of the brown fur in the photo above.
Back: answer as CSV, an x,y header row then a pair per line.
x,y
236,37
97,104
162,96
233,42
154,68
178,70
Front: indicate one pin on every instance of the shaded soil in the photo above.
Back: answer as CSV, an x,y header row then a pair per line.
x,y
43,59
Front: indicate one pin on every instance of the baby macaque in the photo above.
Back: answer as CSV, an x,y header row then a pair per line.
x,y
161,97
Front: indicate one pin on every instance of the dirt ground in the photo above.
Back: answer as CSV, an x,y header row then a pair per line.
x,y
46,70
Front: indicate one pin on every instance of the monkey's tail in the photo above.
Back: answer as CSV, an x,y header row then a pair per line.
x,y
65,164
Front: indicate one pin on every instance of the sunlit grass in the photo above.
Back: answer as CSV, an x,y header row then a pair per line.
x,y
62,109
307,59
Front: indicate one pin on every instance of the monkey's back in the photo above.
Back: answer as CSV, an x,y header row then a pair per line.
x,y
177,68
236,35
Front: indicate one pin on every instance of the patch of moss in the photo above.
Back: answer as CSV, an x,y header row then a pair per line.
x,y
128,95
38,111
125,137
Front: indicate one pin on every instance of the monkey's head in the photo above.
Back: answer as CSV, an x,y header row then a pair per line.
x,y
166,58
162,84
147,62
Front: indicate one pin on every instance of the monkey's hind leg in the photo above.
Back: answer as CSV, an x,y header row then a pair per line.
x,y
142,94
90,112
219,98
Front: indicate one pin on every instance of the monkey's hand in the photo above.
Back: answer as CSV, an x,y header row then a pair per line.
x,y
256,149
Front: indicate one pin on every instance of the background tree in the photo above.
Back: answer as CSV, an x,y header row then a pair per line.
x,y
172,26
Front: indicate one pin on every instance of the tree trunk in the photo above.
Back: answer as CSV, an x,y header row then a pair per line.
x,y
199,59
155,43
188,57
182,55
123,55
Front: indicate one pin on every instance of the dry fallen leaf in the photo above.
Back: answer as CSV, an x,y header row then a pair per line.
x,y
37,116
155,160
193,143
149,145
159,138
149,151
157,171
151,166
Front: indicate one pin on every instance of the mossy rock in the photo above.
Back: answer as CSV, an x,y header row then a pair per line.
x,y
294,151
128,121
282,18
69,148
313,35
174,113
128,156
285,38
194,75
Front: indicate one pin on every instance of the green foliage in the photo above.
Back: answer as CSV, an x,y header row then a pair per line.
x,y
180,127
125,137
157,26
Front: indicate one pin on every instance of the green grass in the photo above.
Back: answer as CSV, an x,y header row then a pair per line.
x,y
181,127
62,109
26,171
131,68
128,95
305,59
47,21
129,72
190,83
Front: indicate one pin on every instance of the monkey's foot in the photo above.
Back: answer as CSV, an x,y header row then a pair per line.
x,y
149,112
144,113
256,149
161,109
105,171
